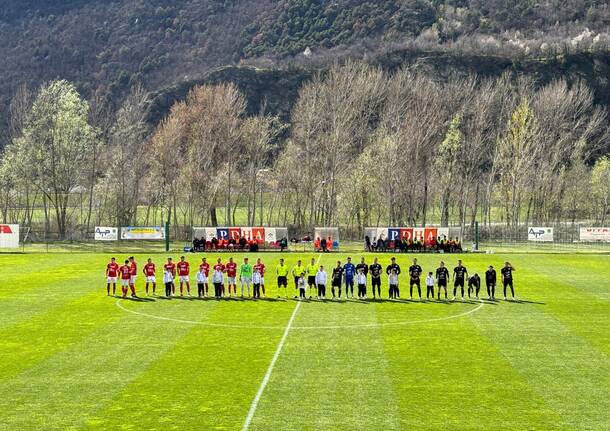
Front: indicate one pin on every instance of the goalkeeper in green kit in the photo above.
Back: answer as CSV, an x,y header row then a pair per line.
x,y
245,275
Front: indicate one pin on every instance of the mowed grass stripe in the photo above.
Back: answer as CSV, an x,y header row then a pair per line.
x,y
586,275
46,297
582,312
208,379
60,392
563,368
450,377
330,379
32,341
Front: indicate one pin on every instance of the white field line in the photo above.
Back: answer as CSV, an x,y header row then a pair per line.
x,y
263,384
276,355
296,328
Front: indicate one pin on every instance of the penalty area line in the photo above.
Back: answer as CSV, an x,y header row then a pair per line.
x,y
263,384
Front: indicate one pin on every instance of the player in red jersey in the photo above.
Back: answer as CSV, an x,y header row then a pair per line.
x,y
134,273
112,271
183,272
204,267
220,267
125,271
231,274
260,267
169,273
149,273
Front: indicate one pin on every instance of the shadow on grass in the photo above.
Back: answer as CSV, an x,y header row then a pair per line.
x,y
138,299
523,301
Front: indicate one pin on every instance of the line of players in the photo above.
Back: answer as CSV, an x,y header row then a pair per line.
x,y
312,276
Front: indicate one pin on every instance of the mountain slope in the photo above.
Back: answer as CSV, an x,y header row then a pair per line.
x,y
105,47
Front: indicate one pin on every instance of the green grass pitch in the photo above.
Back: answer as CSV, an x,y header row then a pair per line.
x,y
73,359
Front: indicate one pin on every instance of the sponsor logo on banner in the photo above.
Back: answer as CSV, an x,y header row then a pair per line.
x,y
222,233
235,233
443,233
258,234
9,236
246,232
430,233
418,233
406,233
393,234
595,234
104,233
136,232
270,235
542,234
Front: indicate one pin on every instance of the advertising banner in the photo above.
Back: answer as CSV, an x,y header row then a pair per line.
x,y
595,234
411,233
270,234
393,234
142,232
258,234
9,236
235,233
105,233
540,234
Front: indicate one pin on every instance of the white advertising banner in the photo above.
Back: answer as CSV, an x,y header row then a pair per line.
x,y
270,234
595,234
136,232
541,234
105,233
9,236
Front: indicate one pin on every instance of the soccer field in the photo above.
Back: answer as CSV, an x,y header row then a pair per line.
x,y
73,358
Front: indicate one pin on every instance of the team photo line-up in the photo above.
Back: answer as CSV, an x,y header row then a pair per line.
x,y
312,277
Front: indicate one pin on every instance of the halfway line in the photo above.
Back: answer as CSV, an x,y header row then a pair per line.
x,y
276,355
261,389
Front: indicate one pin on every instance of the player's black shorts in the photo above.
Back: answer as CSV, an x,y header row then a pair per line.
x,y
311,280
281,281
336,283
490,284
414,282
442,283
376,281
296,281
508,282
459,282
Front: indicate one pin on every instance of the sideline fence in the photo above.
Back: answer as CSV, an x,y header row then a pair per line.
x,y
497,237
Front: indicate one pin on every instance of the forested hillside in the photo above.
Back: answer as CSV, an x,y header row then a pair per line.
x,y
106,47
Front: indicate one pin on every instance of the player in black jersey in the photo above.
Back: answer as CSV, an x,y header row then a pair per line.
x,y
414,272
490,282
396,268
507,278
362,266
474,285
375,270
442,275
459,274
337,279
